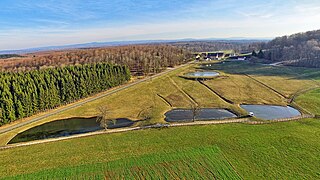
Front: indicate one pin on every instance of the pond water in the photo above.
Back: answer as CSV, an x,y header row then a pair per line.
x,y
203,74
67,127
269,112
182,115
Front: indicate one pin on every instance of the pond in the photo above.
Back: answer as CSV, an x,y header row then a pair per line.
x,y
183,115
67,127
203,74
270,112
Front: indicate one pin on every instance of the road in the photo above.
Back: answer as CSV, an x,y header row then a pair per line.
x,y
90,99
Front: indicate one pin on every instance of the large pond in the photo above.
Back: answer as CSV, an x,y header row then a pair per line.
x,y
268,112
203,74
67,127
183,115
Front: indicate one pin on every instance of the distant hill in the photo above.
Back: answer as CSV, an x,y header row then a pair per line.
x,y
121,43
76,46
302,49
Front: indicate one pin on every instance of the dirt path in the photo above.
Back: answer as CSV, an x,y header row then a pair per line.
x,y
196,123
90,99
123,130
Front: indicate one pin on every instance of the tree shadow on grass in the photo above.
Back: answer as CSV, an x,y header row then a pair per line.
x,y
245,67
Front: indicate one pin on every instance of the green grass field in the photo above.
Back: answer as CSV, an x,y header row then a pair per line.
x,y
288,150
208,162
310,101
274,151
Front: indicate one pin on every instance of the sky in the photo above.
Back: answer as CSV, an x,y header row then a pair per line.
x,y
38,23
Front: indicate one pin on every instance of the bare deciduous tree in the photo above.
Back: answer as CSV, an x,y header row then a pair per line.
x,y
104,117
146,114
141,59
195,111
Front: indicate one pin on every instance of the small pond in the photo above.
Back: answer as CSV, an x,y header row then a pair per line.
x,y
67,127
203,74
182,115
269,112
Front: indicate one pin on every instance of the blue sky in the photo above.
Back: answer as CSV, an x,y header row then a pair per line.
x,y
34,23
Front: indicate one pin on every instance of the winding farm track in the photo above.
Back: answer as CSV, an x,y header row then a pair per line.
x,y
87,100
112,131
239,120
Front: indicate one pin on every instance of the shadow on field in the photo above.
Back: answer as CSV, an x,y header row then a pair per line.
x,y
245,67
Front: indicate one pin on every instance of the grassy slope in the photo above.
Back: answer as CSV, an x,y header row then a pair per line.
x,y
243,90
134,101
274,151
279,150
286,80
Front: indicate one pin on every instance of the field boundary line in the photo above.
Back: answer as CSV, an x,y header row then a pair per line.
x,y
298,93
164,100
225,157
267,86
191,99
216,93
281,120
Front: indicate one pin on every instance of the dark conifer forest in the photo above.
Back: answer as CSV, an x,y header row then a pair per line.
x,y
23,94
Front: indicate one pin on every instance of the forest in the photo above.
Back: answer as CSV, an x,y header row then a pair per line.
x,y
302,49
23,94
207,46
40,81
141,59
6,56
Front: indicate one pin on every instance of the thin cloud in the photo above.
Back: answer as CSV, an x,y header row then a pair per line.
x,y
77,21
256,15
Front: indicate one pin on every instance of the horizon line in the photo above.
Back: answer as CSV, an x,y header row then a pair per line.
x,y
132,42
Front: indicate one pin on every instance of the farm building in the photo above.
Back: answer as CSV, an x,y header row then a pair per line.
x,y
215,55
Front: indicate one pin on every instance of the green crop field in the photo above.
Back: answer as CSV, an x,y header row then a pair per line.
x,y
274,151
287,150
310,101
208,162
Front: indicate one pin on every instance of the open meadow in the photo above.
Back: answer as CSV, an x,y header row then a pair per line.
x,y
288,150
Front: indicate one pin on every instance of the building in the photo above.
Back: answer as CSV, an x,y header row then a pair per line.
x,y
242,58
198,57
215,55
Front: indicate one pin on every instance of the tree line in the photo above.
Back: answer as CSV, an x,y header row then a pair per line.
x,y
6,56
302,49
207,46
23,94
141,59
